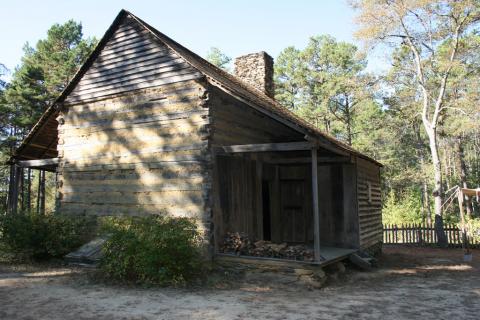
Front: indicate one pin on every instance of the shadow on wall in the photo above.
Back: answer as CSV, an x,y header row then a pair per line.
x,y
140,153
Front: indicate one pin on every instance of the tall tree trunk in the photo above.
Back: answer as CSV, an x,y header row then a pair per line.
x,y
462,174
426,201
29,190
11,189
438,187
41,192
348,120
22,189
446,167
427,210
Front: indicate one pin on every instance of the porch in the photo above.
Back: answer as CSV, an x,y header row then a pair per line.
x,y
298,195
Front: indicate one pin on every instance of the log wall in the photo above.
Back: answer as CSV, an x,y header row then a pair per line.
x,y
136,154
369,203
133,133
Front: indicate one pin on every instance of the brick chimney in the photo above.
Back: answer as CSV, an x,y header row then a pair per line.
x,y
257,70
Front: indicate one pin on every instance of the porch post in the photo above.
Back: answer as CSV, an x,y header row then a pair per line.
x,y
41,192
316,213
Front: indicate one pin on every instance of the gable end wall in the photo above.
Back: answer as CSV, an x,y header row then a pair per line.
x,y
133,134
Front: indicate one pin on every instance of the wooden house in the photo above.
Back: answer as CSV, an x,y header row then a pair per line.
x,y
146,127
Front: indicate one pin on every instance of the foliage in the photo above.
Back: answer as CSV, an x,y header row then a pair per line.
x,y
325,83
152,250
43,236
473,228
434,41
406,208
216,57
43,73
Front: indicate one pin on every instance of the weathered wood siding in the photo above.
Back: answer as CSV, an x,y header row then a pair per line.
x,y
234,122
292,214
291,204
237,181
133,133
369,207
238,190
132,59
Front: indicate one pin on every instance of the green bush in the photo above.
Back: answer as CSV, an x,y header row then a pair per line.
x,y
406,208
473,228
43,236
152,250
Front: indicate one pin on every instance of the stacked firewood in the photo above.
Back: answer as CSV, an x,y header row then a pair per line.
x,y
236,242
299,252
240,244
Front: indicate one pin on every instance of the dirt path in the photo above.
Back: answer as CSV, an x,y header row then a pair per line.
x,y
410,284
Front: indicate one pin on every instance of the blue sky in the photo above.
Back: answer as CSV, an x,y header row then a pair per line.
x,y
236,27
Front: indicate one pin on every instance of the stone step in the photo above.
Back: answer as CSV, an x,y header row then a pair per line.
x,y
87,255
360,262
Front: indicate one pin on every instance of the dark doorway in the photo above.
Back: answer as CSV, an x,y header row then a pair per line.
x,y
267,230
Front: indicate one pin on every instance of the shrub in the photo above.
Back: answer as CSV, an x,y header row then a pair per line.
x,y
473,228
152,250
43,236
404,209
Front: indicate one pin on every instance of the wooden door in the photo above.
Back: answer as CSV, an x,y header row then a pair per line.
x,y
293,210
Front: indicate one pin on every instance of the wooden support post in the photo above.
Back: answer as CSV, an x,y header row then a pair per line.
x,y
316,211
41,192
11,189
217,216
259,198
276,226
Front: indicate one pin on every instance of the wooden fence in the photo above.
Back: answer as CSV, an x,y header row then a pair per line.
x,y
424,235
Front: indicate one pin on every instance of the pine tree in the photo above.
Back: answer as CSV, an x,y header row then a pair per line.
x,y
44,72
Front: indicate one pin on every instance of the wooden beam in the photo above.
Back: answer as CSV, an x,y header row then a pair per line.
x,y
267,147
38,163
38,146
470,192
316,211
327,146
309,160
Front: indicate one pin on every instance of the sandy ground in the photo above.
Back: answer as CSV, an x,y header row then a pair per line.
x,y
410,283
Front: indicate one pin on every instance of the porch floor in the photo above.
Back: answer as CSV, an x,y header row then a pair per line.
x,y
331,255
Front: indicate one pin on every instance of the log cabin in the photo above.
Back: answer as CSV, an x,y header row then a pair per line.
x,y
146,126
